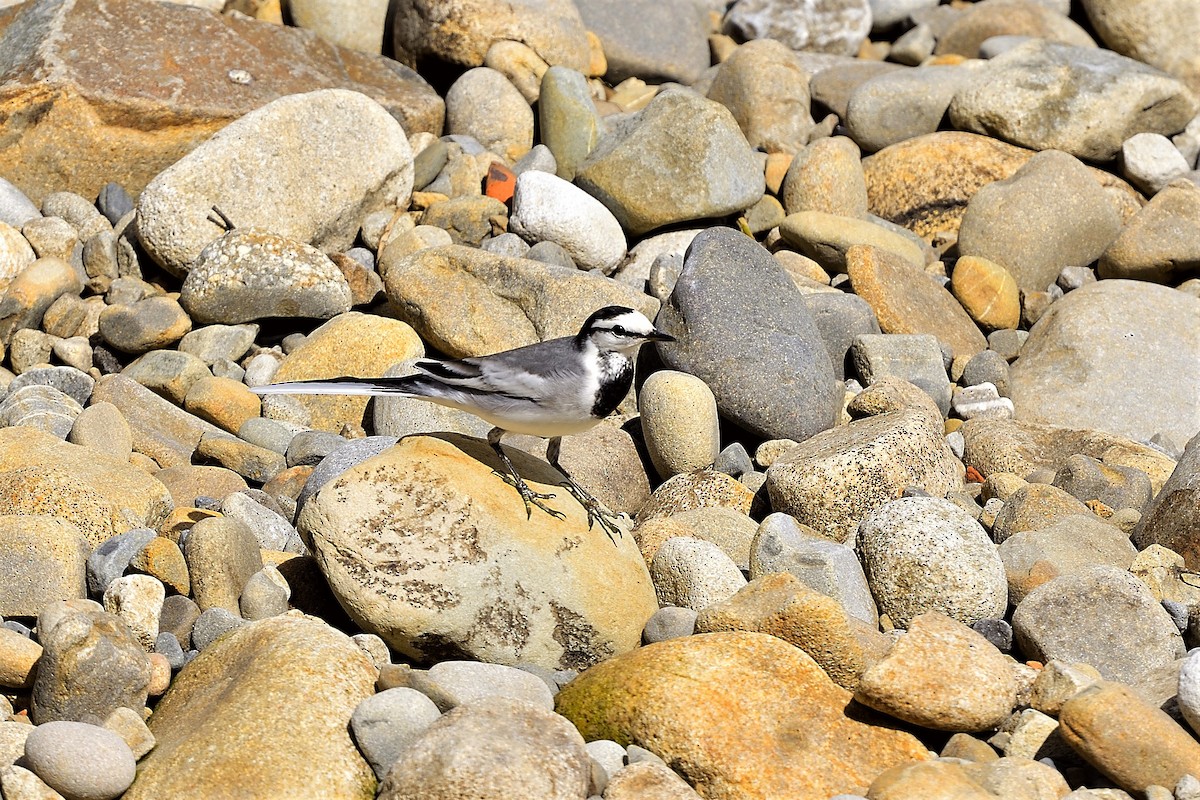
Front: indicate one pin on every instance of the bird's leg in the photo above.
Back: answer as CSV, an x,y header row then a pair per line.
x,y
595,511
514,480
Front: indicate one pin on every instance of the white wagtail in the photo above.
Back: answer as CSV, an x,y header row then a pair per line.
x,y
550,389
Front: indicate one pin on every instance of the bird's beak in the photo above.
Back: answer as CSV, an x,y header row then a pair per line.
x,y
658,336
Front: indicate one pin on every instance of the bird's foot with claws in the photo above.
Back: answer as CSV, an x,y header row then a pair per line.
x,y
595,511
530,497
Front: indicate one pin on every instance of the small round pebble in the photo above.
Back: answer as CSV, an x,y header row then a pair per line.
x,y
669,622
80,761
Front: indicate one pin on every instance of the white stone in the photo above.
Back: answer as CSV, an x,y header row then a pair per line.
x,y
1151,161
465,681
692,573
547,208
138,601
1189,689
982,401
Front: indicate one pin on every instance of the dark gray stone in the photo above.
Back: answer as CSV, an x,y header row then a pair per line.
x,y
987,366
550,253
1117,487
166,645
179,614
310,447
211,624
998,632
1173,519
114,202
840,317
734,460
68,380
110,560
748,333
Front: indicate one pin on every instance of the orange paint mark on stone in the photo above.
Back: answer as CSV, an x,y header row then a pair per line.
x,y
500,182
973,475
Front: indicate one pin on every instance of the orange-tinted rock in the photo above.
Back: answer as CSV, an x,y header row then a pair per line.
x,y
907,300
987,291
183,73
795,738
924,183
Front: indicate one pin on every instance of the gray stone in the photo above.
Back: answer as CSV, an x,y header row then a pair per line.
x,y
464,682
895,106
1133,351
926,554
669,622
547,208
652,40
91,664
265,595
42,407
568,119
1101,616
841,318
551,253
517,748
836,27
1051,212
110,560
270,434
782,545
212,343
272,531
325,159
167,645
692,573
1117,487
179,614
916,358
981,401
1173,518
988,366
221,556
80,761
750,336
76,384
681,158
1019,97
356,24
386,724
212,624
15,208
308,448
1150,161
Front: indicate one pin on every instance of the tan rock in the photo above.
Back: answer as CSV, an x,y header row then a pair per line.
x,y
1035,506
378,343
1008,17
1022,447
1058,682
224,402
941,675
147,111
826,176
819,482
18,657
159,428
255,463
1126,738
648,780
163,559
827,238
677,697
779,604
428,569
186,482
58,493
952,780
987,291
286,684
679,422
729,529
907,300
102,427
925,183
704,489
42,559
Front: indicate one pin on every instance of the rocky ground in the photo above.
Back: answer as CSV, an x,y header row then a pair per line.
x,y
910,509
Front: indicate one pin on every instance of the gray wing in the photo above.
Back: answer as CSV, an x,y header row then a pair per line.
x,y
532,372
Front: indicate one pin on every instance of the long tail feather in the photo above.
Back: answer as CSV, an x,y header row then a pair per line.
x,y
344,386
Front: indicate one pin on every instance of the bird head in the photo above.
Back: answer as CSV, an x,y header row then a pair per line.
x,y
620,329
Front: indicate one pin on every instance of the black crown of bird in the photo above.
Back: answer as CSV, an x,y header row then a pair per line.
x,y
548,389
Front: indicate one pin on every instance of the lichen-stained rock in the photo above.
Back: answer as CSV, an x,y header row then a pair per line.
x,y
832,480
183,74
262,712
324,160
425,546
794,737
